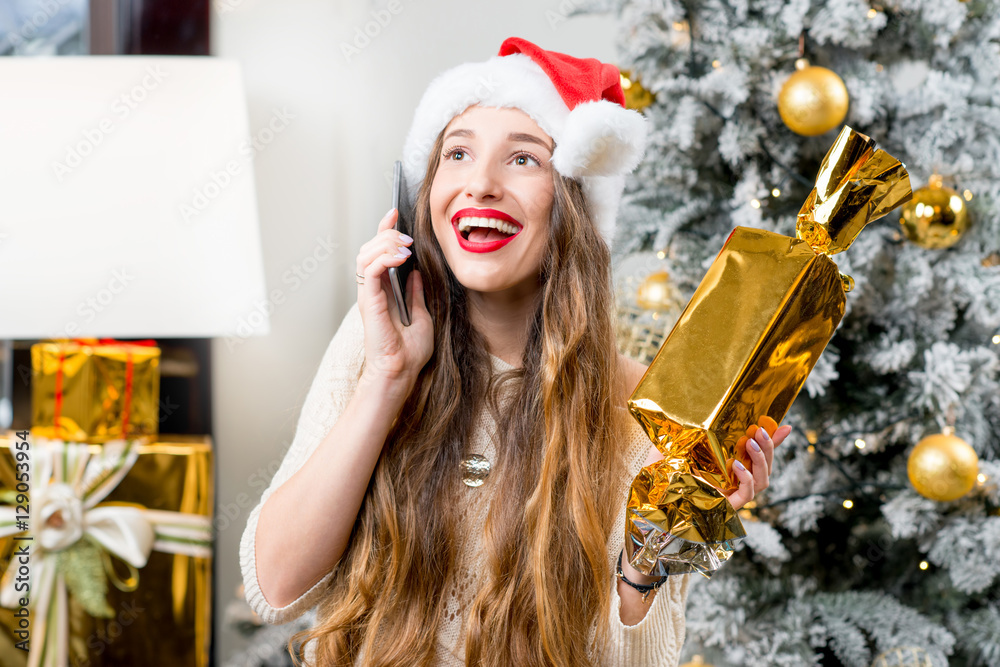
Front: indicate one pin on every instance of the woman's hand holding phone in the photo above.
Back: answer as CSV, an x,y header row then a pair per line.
x,y
393,352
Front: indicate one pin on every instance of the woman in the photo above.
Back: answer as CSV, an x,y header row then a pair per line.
x,y
507,380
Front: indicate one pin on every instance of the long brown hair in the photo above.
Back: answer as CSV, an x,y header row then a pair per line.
x,y
547,579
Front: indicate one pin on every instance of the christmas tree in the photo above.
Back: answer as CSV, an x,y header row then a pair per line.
x,y
866,549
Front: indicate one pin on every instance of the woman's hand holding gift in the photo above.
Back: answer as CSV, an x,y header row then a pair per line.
x,y
756,448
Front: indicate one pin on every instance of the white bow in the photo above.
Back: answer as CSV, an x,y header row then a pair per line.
x,y
67,483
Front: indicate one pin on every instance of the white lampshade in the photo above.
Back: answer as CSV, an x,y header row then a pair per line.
x,y
127,199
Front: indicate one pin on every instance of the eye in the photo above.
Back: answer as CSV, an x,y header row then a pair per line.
x,y
527,156
452,151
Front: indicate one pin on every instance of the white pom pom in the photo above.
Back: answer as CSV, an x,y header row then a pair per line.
x,y
600,139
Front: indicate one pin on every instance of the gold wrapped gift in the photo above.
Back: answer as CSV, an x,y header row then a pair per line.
x,y
85,391
742,348
120,562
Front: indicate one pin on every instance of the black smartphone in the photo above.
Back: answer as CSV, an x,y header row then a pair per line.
x,y
404,224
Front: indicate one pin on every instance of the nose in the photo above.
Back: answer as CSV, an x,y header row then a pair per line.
x,y
484,181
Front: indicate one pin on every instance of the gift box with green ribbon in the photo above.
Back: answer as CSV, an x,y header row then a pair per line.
x,y
119,544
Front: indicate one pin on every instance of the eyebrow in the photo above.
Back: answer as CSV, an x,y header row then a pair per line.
x,y
513,136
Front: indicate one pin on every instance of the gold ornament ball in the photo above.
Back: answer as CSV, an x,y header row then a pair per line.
x,y
656,292
943,467
936,217
636,97
904,656
814,100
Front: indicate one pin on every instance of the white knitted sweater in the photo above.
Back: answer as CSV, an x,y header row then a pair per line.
x,y
656,640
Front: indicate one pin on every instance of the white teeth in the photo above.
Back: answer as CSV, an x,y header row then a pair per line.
x,y
468,223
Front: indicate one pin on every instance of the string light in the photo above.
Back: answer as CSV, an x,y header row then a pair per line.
x,y
879,67
859,443
872,13
716,64
996,339
755,203
924,565
968,195
775,192
812,438
660,254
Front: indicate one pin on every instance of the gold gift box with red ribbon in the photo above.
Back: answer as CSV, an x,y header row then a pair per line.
x,y
120,552
94,390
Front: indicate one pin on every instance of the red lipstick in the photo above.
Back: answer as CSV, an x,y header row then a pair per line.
x,y
483,213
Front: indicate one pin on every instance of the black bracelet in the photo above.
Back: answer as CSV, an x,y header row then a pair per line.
x,y
644,589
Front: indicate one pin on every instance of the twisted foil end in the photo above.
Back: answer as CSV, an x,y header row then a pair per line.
x,y
856,184
678,523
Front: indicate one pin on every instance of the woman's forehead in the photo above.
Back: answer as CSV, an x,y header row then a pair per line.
x,y
489,121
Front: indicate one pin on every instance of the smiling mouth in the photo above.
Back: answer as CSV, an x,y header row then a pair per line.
x,y
485,230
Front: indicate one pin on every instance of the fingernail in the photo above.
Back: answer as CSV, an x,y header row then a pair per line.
x,y
762,434
403,252
405,239
387,213
753,443
740,465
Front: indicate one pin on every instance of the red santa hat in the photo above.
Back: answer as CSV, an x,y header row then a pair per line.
x,y
577,101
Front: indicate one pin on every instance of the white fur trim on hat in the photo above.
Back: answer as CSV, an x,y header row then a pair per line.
x,y
597,143
600,139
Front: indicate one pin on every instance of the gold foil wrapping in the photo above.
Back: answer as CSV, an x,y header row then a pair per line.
x,y
856,184
743,347
87,392
673,515
166,620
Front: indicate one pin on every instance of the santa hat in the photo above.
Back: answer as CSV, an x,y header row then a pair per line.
x,y
577,101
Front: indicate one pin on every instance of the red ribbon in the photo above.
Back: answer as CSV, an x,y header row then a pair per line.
x,y
149,342
128,393
59,396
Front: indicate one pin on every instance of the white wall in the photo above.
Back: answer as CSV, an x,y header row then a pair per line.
x,y
324,175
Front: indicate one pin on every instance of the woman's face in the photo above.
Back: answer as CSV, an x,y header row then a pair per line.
x,y
494,170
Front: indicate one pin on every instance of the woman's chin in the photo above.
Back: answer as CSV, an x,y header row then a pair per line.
x,y
497,284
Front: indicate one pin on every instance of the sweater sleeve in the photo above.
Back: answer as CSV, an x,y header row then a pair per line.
x,y
657,639
331,390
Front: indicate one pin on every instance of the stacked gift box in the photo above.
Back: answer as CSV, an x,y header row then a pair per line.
x,y
117,519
